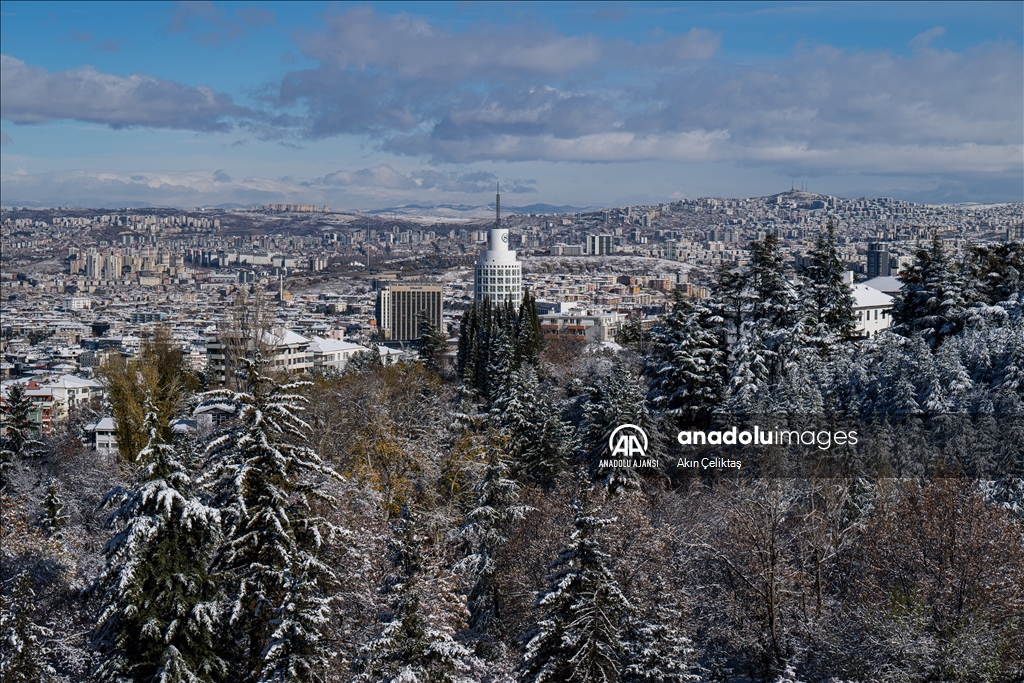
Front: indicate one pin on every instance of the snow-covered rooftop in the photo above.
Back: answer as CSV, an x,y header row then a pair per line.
x,y
867,297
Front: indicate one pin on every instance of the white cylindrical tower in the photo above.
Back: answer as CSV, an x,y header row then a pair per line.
x,y
499,275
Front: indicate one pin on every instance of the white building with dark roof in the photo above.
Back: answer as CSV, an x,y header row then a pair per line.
x,y
872,310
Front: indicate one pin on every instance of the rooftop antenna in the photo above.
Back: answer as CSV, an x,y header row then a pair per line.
x,y
497,205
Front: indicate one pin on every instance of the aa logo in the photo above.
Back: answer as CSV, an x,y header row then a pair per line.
x,y
628,441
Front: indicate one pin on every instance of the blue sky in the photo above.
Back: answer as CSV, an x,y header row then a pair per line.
x,y
372,105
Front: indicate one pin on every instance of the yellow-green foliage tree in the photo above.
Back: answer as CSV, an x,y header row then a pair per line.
x,y
159,372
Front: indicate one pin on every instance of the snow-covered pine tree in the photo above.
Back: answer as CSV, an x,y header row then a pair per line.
x,y
827,301
297,651
500,361
579,638
433,343
687,363
484,532
160,604
656,650
264,482
466,359
931,303
54,516
530,339
17,434
409,649
363,361
537,441
773,297
617,399
24,651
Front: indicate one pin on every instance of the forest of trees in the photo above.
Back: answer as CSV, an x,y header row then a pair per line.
x,y
449,520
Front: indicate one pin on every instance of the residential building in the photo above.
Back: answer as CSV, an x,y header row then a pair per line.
x,y
872,311
878,260
332,355
600,245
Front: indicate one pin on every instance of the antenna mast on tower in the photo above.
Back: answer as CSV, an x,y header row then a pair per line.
x,y
497,205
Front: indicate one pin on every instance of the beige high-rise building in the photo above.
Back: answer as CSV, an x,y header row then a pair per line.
x,y
398,308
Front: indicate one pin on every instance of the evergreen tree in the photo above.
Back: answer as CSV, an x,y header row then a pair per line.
x,y
827,300
262,479
617,399
25,652
410,649
750,381
364,361
468,347
159,601
994,272
497,337
931,302
538,442
54,516
482,340
732,297
656,651
500,362
773,300
578,640
687,364
433,343
17,434
297,651
531,339
484,533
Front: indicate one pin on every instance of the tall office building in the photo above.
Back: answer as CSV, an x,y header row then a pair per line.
x,y
599,245
878,260
399,306
498,275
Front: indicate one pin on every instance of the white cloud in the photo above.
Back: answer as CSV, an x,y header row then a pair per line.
x,y
31,94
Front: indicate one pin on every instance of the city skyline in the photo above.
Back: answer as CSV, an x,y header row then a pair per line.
x,y
370,106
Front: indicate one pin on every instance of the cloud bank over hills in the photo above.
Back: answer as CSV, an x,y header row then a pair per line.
x,y
462,100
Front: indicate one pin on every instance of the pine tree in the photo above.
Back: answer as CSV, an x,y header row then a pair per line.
x,y
262,479
773,298
687,364
482,340
614,401
931,303
750,381
500,362
827,300
54,516
364,361
297,651
17,434
25,652
656,651
468,347
578,640
433,343
538,442
160,604
410,649
531,339
484,533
